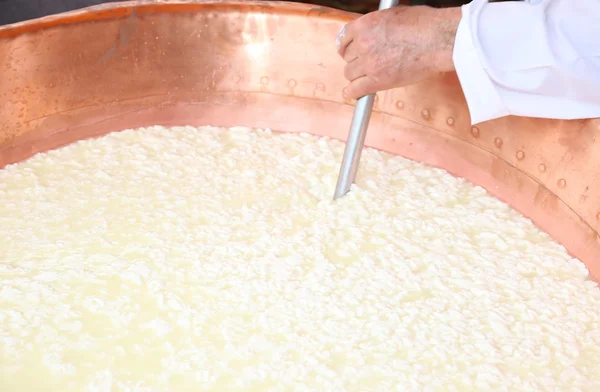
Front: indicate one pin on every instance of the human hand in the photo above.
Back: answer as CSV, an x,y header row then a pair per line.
x,y
397,47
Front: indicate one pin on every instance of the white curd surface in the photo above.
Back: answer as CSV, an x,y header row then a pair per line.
x,y
193,259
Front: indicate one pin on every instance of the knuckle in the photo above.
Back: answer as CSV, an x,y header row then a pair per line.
x,y
363,42
373,67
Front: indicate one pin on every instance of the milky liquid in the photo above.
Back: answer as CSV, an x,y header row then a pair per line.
x,y
193,259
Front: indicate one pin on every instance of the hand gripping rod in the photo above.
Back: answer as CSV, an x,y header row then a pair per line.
x,y
357,134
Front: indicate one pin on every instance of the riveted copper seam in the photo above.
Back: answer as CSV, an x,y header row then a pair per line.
x,y
268,64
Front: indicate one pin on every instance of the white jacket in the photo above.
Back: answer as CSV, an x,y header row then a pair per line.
x,y
539,58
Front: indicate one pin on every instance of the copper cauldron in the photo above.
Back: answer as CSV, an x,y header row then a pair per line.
x,y
273,64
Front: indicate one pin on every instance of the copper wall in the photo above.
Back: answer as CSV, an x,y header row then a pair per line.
x,y
267,64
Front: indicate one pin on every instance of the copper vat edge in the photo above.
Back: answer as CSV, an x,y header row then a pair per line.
x,y
273,64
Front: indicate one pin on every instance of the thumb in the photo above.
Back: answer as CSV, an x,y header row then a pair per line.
x,y
360,87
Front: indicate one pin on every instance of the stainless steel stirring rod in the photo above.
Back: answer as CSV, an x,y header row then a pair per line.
x,y
357,134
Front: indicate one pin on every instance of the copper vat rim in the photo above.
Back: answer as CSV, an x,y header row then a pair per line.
x,y
123,9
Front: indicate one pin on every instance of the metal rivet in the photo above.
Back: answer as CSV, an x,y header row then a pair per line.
x,y
520,155
450,121
399,105
542,167
498,142
425,114
562,183
475,131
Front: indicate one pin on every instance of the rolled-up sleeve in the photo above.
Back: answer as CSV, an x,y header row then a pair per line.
x,y
537,59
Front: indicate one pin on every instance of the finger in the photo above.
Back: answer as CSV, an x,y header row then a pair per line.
x,y
344,38
354,70
360,87
351,52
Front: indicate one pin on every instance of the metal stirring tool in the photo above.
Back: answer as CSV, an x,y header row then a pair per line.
x,y
357,134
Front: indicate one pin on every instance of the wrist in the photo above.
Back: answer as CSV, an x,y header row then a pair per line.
x,y
447,24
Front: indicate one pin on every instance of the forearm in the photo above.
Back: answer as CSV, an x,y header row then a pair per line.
x,y
530,60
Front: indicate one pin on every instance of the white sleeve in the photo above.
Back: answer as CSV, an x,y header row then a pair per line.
x,y
537,59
